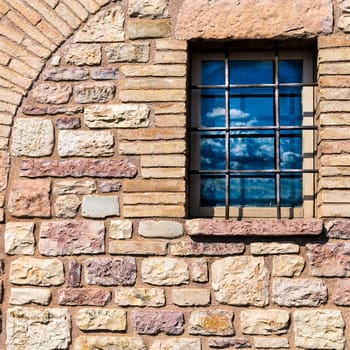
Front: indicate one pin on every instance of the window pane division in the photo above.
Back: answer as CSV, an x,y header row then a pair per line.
x,y
247,132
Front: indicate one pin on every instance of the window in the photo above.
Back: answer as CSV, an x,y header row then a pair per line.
x,y
252,134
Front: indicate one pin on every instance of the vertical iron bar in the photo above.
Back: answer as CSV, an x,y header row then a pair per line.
x,y
227,136
278,134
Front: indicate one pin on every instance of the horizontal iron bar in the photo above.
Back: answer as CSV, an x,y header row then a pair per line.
x,y
238,128
267,171
237,86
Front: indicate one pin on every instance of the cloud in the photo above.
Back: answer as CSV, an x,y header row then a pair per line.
x,y
234,113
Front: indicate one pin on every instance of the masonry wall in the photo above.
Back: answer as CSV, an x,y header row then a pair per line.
x,y
97,251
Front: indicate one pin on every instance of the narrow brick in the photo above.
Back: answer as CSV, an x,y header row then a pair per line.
x,y
155,70
78,8
154,186
149,211
151,134
90,5
171,44
170,57
138,248
83,296
155,161
152,95
191,297
163,173
140,29
176,120
156,147
154,198
66,14
154,83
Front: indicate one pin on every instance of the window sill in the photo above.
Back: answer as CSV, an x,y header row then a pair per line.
x,y
256,227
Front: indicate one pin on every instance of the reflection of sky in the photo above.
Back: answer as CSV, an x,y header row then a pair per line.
x,y
252,149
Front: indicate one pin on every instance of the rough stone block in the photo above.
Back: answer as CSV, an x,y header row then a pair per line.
x,y
102,73
155,198
30,328
191,297
265,322
120,229
80,186
141,29
153,211
94,92
99,319
216,322
80,54
74,274
94,206
162,229
240,281
110,271
108,186
155,147
274,248
109,342
19,238
154,186
154,322
165,271
30,198
199,271
67,206
83,297
153,8
67,123
66,74
271,343
36,272
288,266
338,228
52,93
70,237
32,137
176,344
222,343
22,296
85,143
125,52
130,296
154,95
4,168
164,70
139,248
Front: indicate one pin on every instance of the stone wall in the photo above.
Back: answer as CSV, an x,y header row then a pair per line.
x,y
97,251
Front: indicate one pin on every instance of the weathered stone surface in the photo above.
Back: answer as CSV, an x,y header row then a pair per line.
x,y
110,271
22,296
152,134
139,248
152,147
29,328
271,343
154,322
154,198
120,229
247,19
64,74
163,229
129,296
68,110
125,52
188,248
36,272
176,344
152,95
240,281
19,238
299,292
30,198
265,322
74,274
83,296
99,319
329,260
191,297
82,54
141,29
70,237
344,5
85,143
339,228
157,70
94,92
199,269
260,227
4,168
109,343
342,293
216,322
273,248
94,206
67,206
319,329
34,110
102,73
78,168
32,137
106,26
164,271
52,93
67,123
154,8
117,116
79,186
288,265
154,83
108,186
235,343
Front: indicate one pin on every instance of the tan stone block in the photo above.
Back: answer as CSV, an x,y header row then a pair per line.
x,y
148,211
178,70
170,57
4,168
288,265
120,229
154,8
334,119
154,83
10,96
344,23
174,160
170,108
334,182
334,196
126,52
333,54
109,342
171,44
335,40
19,238
335,160
67,206
68,15
145,28
191,297
334,210
273,248
334,133
93,319
152,134
83,54
163,173
22,296
334,81
74,186
5,131
334,171
334,68
130,296
129,247
172,120
78,8
334,93
156,147
334,106
26,70
271,343
154,198
152,95
154,186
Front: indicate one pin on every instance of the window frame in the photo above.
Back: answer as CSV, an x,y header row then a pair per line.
x,y
308,127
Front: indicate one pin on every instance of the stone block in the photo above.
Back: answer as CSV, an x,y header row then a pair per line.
x,y
218,322
36,272
125,52
240,281
145,28
288,265
154,322
171,44
153,8
94,206
165,271
199,271
299,292
131,296
154,95
30,198
273,248
344,5
106,26
52,93
83,296
152,211
342,293
176,57
139,248
160,229
71,237
271,343
108,343
77,187
66,74
67,206
319,329
82,54
67,110
155,147
32,137
85,143
117,116
108,186
4,168
120,229
176,344
265,322
156,70
22,296
155,198
159,161
74,274
102,73
191,297
154,186
144,83
19,238
93,319
163,173
338,228
68,123
94,92
110,271
235,343
30,328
